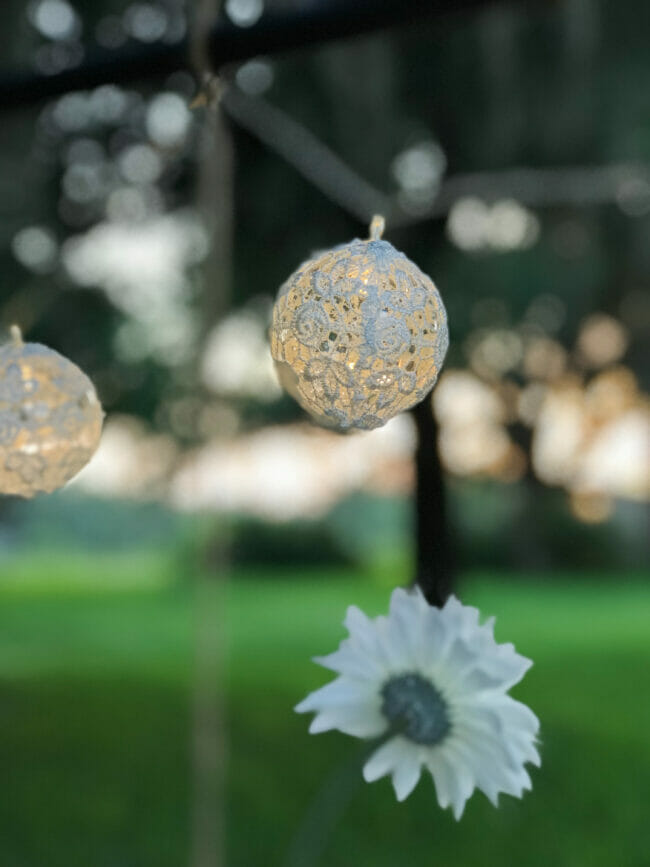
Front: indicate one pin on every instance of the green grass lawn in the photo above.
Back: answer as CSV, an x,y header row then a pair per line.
x,y
95,682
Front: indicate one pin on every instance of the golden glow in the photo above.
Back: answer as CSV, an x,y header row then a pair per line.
x,y
602,340
591,508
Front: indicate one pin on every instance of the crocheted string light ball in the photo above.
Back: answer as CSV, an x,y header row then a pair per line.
x,y
359,334
50,418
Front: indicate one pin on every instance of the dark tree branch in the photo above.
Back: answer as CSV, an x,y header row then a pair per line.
x,y
434,568
319,22
227,43
122,67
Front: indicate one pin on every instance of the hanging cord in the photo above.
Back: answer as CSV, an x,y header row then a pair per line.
x,y
208,734
433,553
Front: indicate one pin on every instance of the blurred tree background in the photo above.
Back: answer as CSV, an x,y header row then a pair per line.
x,y
509,148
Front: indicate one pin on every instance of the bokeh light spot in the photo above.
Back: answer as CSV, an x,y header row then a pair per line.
x,y
55,19
255,77
244,13
168,120
35,247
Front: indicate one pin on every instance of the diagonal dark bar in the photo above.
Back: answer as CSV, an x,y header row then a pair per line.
x,y
227,43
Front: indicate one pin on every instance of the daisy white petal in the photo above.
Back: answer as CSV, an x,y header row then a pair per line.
x,y
526,748
384,759
403,622
406,774
338,692
443,777
363,721
361,629
435,682
396,758
433,638
464,618
394,643
491,776
514,714
462,780
352,663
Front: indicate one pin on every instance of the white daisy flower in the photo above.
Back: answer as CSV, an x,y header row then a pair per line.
x,y
433,683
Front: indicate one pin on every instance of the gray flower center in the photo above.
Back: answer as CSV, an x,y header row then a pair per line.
x,y
413,706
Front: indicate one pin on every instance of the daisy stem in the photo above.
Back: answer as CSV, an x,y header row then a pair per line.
x,y
433,556
325,811
329,805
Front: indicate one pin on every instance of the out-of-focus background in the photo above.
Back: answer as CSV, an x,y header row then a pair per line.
x,y
143,234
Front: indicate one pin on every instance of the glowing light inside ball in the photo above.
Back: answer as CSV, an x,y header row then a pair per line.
x,y
359,334
50,419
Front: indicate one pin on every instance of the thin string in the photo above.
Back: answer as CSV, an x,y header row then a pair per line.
x,y
377,227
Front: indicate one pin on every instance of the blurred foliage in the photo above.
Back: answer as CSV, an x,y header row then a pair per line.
x,y
290,544
490,524
70,522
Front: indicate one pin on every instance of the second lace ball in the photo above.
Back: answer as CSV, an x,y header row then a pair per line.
x,y
50,419
359,334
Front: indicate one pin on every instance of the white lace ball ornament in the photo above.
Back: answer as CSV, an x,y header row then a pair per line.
x,y
359,334
50,419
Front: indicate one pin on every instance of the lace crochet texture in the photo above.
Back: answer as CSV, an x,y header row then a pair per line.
x,y
50,419
359,335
